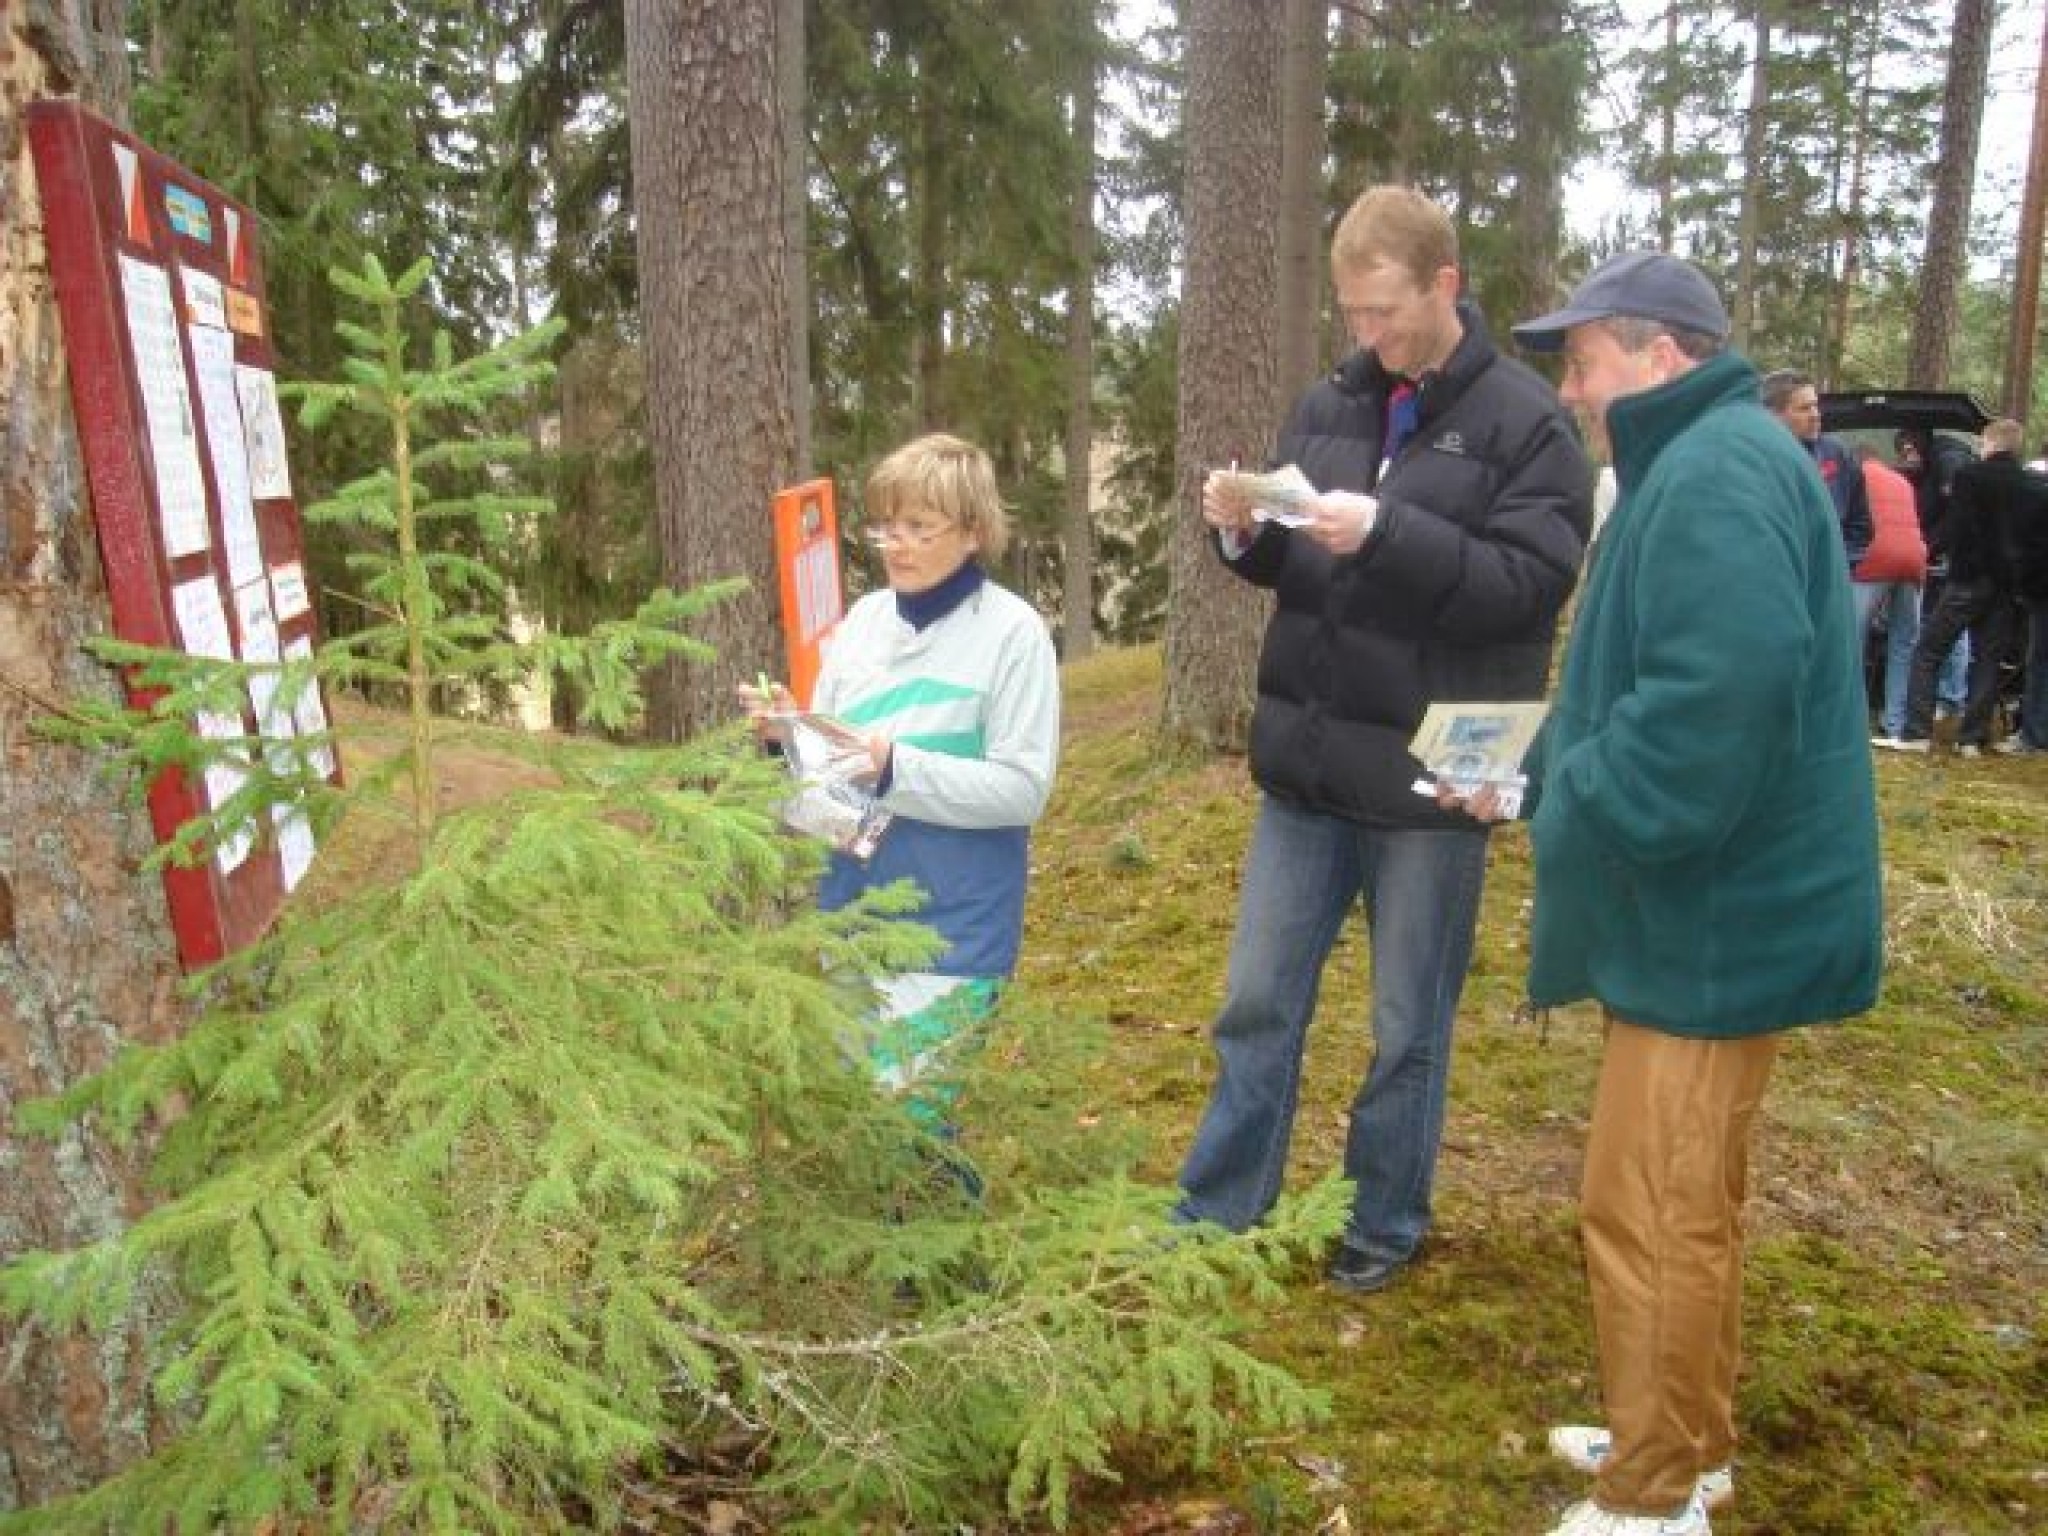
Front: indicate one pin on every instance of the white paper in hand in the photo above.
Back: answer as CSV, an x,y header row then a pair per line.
x,y
1278,496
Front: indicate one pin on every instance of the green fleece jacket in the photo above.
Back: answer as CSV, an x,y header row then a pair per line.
x,y
1705,821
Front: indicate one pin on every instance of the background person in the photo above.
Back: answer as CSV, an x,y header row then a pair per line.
x,y
1930,461
1892,570
1990,498
1449,536
1790,396
2030,571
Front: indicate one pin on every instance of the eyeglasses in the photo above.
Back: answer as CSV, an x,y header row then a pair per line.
x,y
908,535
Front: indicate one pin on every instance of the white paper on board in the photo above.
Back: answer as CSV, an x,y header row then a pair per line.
x,y
204,303
309,710
288,591
213,359
294,843
166,407
269,474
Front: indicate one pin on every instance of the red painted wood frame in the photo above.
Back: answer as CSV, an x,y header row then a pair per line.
x,y
105,196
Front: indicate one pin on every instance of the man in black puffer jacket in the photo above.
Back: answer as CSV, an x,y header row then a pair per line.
x,y
1450,529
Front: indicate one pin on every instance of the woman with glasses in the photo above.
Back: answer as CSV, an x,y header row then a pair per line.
x,y
952,681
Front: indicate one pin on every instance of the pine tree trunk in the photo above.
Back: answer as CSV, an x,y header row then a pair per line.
x,y
930,203
2018,395
1955,170
792,103
1546,87
1077,537
1304,217
1754,187
1667,138
707,161
86,957
1850,271
1227,347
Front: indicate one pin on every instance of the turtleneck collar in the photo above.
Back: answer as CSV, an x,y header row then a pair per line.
x,y
921,610
1640,425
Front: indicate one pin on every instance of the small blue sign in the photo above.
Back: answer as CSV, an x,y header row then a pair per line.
x,y
189,216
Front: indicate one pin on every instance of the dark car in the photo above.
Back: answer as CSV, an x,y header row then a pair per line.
x,y
1887,410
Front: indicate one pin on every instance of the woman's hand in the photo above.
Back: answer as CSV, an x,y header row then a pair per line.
x,y
762,698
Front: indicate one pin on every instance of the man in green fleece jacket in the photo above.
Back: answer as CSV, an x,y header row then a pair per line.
x,y
1704,825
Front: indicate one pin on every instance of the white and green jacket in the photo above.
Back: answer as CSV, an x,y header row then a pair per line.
x,y
969,694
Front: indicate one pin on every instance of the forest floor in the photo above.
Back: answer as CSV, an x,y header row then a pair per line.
x,y
1896,1378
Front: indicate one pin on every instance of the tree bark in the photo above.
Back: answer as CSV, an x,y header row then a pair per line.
x,y
1754,190
1667,138
1948,226
707,161
1542,126
1077,538
1850,269
2018,395
87,962
1304,146
930,204
792,94
1227,355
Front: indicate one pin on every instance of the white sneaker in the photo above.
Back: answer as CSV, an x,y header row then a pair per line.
x,y
1585,1446
1589,1519
1901,743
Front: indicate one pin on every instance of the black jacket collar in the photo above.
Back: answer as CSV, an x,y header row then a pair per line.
x,y
1361,373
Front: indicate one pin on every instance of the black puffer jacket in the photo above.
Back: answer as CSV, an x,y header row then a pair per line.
x,y
1454,595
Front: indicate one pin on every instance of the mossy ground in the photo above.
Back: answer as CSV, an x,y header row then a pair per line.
x,y
1897,1372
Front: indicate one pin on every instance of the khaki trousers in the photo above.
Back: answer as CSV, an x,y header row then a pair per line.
x,y
1667,1166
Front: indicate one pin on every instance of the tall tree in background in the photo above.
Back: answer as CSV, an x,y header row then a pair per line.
x,y
793,99
1227,346
1480,108
2018,394
73,1409
351,127
1862,59
1304,191
1672,146
1551,68
1962,120
1077,537
1755,185
707,160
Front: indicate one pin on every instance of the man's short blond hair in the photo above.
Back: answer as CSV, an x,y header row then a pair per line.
x,y
944,476
1395,226
2002,435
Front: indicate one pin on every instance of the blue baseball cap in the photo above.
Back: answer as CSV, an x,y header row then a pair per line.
x,y
1648,285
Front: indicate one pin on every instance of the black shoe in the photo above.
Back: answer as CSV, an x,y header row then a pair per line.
x,y
1363,1273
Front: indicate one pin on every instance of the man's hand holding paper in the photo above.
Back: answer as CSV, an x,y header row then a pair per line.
x,y
1278,496
1233,500
1341,520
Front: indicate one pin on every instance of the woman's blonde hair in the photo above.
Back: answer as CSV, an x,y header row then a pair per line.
x,y
947,476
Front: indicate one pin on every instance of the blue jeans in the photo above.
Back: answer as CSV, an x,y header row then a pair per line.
x,y
1304,873
1898,604
2034,700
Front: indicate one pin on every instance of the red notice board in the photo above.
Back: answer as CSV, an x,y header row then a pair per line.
x,y
159,281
